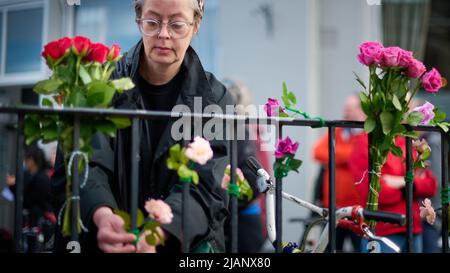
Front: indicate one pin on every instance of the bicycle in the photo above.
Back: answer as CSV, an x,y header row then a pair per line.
x,y
351,217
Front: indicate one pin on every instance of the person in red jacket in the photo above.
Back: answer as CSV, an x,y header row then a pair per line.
x,y
346,193
392,193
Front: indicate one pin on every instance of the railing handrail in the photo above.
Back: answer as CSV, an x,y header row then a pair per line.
x,y
144,114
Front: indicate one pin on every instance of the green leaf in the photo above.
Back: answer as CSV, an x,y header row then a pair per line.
x,y
184,171
66,72
140,218
292,98
120,123
48,87
84,75
294,164
396,103
175,150
414,118
360,81
123,84
387,122
285,89
438,115
444,126
47,103
195,178
363,97
396,151
379,101
108,73
285,101
425,154
99,94
95,71
106,126
245,189
411,134
161,238
283,115
172,164
77,99
369,125
50,133
151,225
125,217
151,239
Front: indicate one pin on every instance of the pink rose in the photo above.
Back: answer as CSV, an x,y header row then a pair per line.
x,y
415,69
370,53
284,147
427,112
432,81
159,210
391,56
199,151
405,58
427,211
272,107
226,178
421,146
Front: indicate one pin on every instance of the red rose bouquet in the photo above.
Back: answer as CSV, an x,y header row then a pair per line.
x,y
81,72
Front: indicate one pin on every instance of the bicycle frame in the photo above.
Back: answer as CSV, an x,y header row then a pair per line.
x,y
323,239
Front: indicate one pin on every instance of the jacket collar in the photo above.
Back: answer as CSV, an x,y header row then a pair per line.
x,y
195,84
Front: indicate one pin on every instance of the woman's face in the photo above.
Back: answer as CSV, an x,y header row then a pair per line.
x,y
163,49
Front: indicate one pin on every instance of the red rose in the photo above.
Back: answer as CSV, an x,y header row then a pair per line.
x,y
81,45
114,52
99,53
52,50
65,44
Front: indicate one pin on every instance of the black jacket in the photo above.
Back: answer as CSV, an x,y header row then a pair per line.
x,y
109,166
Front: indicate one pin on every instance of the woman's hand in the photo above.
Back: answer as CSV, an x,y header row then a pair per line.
x,y
111,235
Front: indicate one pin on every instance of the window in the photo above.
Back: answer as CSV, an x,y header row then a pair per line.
x,y
206,42
113,22
109,23
23,40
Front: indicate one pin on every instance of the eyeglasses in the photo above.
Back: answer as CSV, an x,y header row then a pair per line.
x,y
152,28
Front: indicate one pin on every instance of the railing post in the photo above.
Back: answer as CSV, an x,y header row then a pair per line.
x,y
278,204
18,201
233,198
409,198
332,187
75,181
134,172
444,187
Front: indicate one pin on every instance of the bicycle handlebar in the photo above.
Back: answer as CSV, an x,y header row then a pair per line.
x,y
382,216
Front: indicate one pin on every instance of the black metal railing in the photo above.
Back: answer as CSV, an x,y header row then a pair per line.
x,y
274,121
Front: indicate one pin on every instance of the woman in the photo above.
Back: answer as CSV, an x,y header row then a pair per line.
x,y
166,71
392,194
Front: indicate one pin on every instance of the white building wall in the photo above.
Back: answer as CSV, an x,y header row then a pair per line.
x,y
313,48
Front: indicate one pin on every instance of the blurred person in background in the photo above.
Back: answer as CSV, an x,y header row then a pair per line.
x,y
38,211
346,193
251,227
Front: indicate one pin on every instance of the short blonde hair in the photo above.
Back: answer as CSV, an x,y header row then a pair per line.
x,y
198,12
